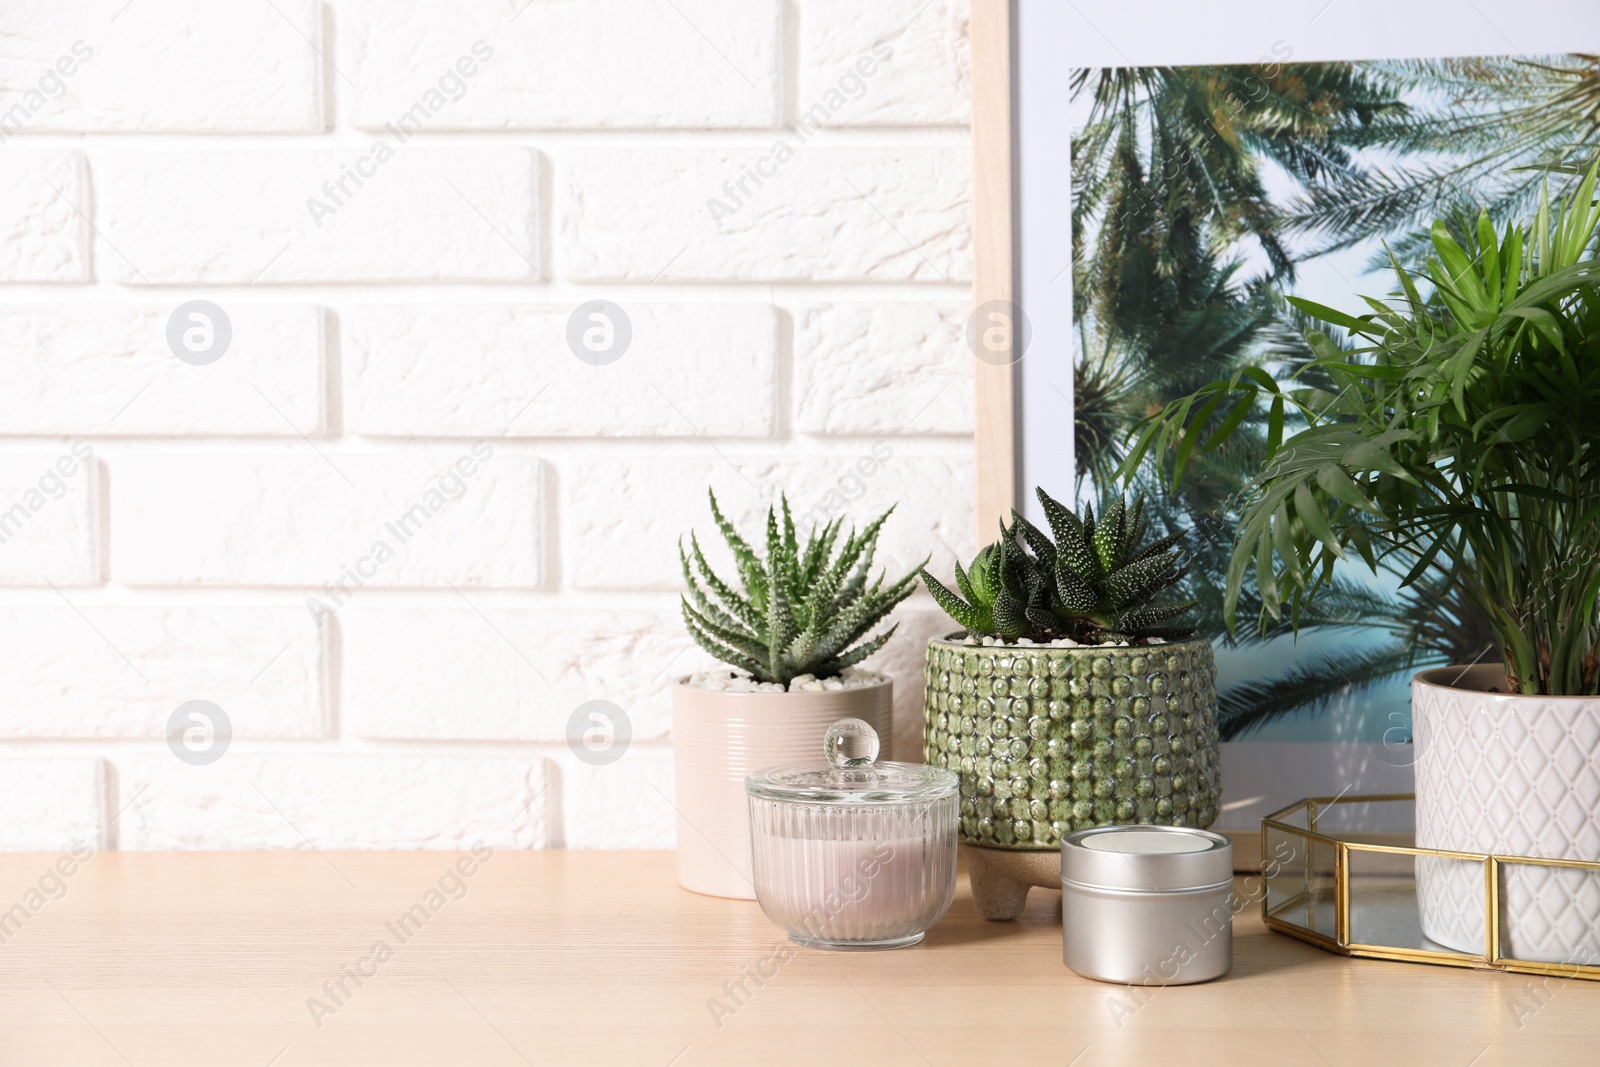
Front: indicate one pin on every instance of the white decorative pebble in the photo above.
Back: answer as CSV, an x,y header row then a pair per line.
x,y
732,680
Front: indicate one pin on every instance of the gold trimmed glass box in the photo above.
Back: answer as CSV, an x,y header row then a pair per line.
x,y
1340,873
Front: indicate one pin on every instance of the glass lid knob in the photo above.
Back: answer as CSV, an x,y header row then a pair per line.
x,y
850,743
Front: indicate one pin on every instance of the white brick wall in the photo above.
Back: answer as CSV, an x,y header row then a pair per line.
x,y
275,216
169,66
477,370
786,210
106,369
44,222
397,527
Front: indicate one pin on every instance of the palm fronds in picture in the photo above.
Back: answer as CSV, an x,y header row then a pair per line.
x,y
1201,198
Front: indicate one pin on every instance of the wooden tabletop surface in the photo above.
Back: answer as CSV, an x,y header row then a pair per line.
x,y
216,959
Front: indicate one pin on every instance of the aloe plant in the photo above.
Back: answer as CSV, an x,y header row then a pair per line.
x,y
1094,583
803,609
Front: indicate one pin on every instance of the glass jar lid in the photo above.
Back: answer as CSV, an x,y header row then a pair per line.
x,y
852,775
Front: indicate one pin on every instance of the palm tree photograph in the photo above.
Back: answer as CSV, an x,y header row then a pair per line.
x,y
1203,197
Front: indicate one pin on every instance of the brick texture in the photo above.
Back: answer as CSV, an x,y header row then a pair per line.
x,y
50,517
91,671
324,519
272,217
789,211
44,225
333,802
364,361
507,371
488,65
52,804
110,370
106,65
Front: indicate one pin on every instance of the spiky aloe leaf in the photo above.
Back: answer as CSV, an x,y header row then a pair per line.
x,y
802,609
1158,546
971,618
791,545
1123,587
1133,529
741,642
1108,537
1044,622
1152,587
757,668
1093,583
1076,595
1080,556
739,606
818,551
1010,616
1141,619
962,583
702,602
1038,543
856,654
749,566
1064,525
856,558
862,616
985,575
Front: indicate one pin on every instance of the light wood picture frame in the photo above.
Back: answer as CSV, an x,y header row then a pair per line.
x,y
1021,53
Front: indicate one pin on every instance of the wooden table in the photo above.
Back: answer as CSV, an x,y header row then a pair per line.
x,y
215,959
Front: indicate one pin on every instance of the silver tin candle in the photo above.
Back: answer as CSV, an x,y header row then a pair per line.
x,y
1147,905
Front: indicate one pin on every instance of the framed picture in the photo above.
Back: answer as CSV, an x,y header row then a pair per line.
x,y
1152,182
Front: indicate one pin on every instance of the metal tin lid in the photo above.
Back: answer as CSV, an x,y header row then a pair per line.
x,y
1146,859
851,776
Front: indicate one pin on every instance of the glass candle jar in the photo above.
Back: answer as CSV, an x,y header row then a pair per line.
x,y
854,853
1147,905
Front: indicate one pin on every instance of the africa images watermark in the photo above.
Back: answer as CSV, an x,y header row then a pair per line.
x,y
51,85
853,889
450,87
849,486
1165,972
51,485
441,491
51,886
452,885
851,85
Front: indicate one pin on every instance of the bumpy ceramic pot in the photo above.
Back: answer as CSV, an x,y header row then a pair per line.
x,y
1050,740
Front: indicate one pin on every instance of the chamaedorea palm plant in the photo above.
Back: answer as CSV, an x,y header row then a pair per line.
x,y
804,609
1464,433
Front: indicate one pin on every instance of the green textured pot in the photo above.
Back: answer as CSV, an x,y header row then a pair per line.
x,y
1050,740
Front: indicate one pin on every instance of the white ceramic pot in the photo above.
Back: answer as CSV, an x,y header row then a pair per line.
x,y
1507,775
718,738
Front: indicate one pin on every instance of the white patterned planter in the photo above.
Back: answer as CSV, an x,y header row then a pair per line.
x,y
1507,775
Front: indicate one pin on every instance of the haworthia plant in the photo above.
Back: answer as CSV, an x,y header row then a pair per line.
x,y
803,609
1093,583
